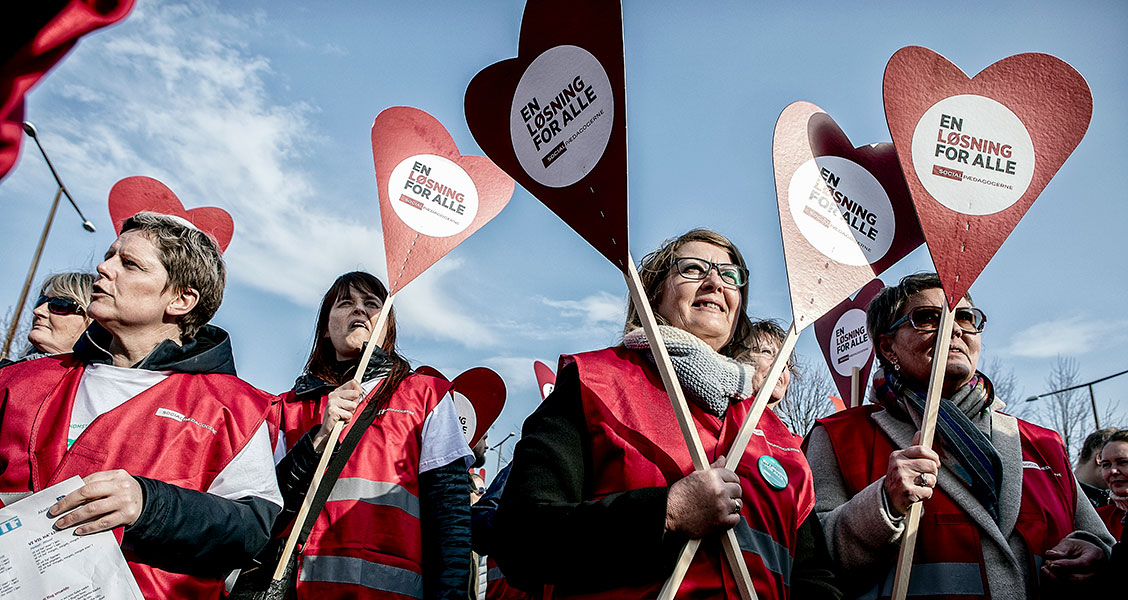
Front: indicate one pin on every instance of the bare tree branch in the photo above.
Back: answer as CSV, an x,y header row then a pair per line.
x,y
808,397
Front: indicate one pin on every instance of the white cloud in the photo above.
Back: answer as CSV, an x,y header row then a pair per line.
x,y
599,308
428,309
1071,336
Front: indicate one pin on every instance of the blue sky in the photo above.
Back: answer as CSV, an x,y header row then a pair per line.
x,y
264,109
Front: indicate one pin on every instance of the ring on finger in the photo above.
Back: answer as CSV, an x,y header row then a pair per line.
x,y
737,504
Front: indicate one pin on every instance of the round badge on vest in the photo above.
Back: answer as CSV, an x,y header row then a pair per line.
x,y
772,472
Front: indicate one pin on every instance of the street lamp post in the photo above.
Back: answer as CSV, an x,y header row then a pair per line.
x,y
497,448
1092,398
30,130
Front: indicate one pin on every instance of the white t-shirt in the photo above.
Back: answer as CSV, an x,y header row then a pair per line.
x,y
443,441
103,388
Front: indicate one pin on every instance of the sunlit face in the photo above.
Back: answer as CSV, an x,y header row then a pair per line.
x,y
913,349
350,321
764,355
1114,467
55,334
130,293
705,308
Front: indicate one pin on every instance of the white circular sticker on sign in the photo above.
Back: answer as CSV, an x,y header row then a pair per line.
x,y
561,116
850,344
973,154
467,418
842,210
546,389
433,195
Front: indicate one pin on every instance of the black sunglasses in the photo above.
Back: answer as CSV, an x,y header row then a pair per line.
x,y
60,306
926,319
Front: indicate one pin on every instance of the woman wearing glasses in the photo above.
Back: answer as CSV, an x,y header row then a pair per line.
x,y
999,496
60,316
603,495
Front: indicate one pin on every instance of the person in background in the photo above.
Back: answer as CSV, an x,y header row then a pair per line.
x,y
767,336
1113,459
1088,472
998,505
59,317
148,410
603,494
397,523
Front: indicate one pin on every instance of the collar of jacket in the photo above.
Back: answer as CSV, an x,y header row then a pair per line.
x,y
208,352
379,366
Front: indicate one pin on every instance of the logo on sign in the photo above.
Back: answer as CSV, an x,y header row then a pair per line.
x,y
10,525
973,155
850,344
561,116
842,210
433,195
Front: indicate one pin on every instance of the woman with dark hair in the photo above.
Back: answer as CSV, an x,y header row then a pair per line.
x,y
1114,468
1003,515
397,522
603,494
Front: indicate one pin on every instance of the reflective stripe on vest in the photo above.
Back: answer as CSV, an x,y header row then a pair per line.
x,y
380,493
357,571
776,556
935,579
7,498
494,574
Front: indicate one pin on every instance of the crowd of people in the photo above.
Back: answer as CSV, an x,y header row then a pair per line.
x,y
127,385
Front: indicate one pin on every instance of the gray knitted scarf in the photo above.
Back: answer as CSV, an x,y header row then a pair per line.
x,y
712,380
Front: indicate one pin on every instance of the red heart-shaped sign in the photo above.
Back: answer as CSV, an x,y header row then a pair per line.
x,y
844,339
554,117
485,392
431,371
845,212
138,194
431,197
546,379
976,152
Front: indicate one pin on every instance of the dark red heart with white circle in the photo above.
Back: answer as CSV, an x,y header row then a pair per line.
x,y
976,152
845,341
845,212
139,194
431,196
479,396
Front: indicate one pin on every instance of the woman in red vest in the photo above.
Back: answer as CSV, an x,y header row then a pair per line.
x,y
397,522
603,495
1114,469
1003,514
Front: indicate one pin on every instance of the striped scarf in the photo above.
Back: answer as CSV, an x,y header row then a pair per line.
x,y
977,463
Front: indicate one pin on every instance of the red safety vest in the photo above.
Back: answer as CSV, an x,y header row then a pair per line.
x,y
630,417
948,561
367,541
1113,518
182,431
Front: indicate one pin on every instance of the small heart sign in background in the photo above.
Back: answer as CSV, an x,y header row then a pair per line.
x,y
479,396
137,194
431,197
845,341
976,152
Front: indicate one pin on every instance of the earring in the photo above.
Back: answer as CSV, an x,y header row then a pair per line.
x,y
896,363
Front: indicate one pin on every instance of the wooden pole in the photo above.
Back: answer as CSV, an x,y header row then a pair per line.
x,y
685,422
855,387
927,433
375,339
30,275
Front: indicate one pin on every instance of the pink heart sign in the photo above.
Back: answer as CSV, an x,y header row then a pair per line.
x,y
976,152
546,379
844,340
479,396
554,117
431,197
844,211
138,194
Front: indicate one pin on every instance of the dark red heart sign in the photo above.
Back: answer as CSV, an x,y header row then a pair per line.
x,y
844,211
431,197
554,117
479,396
977,152
138,194
844,340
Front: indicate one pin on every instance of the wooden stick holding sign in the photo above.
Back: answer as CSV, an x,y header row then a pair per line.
x,y
576,165
827,257
927,433
968,200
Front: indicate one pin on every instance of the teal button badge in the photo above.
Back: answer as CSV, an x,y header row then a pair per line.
x,y
772,472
